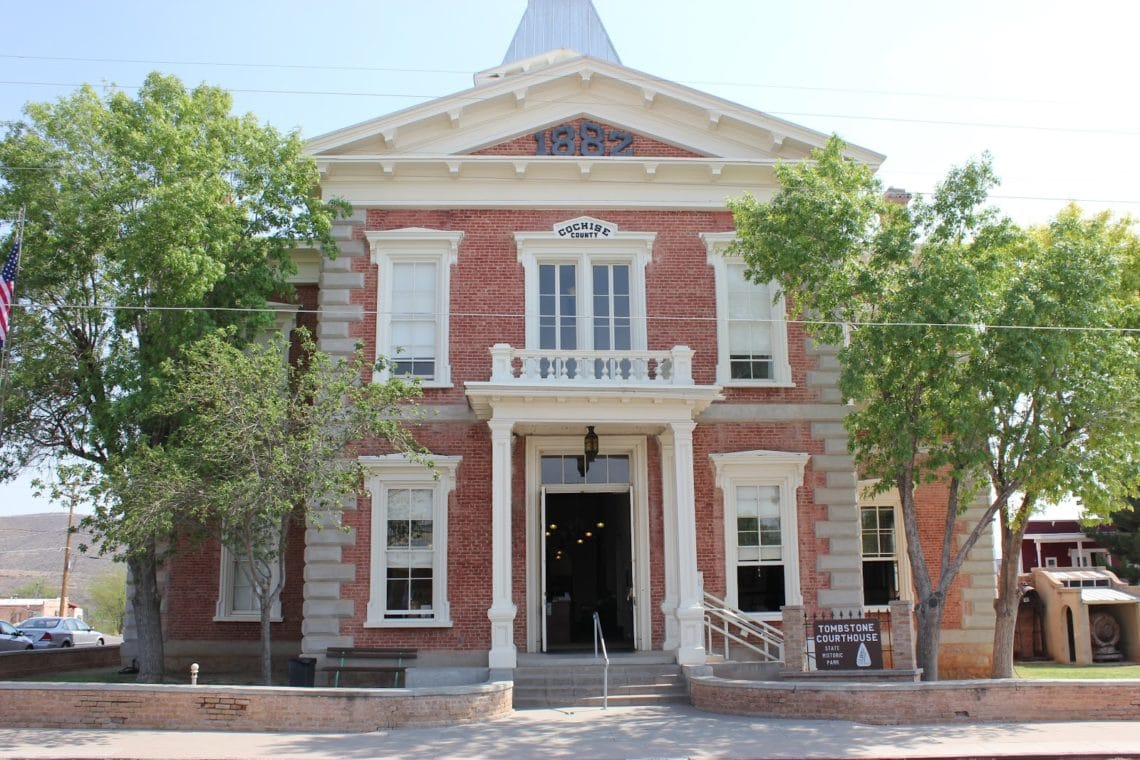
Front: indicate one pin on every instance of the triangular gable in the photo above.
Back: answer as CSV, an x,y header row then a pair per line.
x,y
502,114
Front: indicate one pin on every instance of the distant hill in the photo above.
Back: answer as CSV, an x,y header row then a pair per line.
x,y
31,549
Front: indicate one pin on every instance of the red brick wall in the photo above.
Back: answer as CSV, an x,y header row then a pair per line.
x,y
727,438
239,708
890,703
488,298
192,595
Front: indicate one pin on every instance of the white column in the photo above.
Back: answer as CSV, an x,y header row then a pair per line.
x,y
502,611
690,604
669,523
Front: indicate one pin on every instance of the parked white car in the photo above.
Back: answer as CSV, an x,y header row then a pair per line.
x,y
11,640
51,632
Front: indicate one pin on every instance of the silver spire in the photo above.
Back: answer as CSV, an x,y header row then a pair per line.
x,y
553,24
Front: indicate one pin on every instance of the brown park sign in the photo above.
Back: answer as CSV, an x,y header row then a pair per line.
x,y
848,645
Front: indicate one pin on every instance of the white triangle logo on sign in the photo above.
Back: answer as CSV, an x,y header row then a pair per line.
x,y
863,658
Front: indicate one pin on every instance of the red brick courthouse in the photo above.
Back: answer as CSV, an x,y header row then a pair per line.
x,y
546,252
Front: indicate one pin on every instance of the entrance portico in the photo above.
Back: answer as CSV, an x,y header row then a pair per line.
x,y
651,396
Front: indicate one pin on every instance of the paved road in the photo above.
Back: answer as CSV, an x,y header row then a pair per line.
x,y
626,732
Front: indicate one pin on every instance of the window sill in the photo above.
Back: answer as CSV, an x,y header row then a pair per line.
x,y
757,384
245,618
408,623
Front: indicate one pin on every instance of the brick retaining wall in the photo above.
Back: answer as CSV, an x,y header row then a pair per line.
x,y
244,708
901,703
37,661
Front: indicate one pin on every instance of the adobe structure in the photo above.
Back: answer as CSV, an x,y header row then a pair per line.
x,y
621,422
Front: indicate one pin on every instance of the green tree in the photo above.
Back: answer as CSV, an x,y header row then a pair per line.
x,y
1123,542
37,589
1065,396
263,445
108,600
940,397
151,221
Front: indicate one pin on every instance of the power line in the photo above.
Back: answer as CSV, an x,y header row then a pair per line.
x,y
340,312
479,97
631,76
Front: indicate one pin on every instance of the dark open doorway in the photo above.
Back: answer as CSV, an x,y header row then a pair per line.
x,y
589,567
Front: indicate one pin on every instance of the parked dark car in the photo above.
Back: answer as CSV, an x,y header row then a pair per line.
x,y
51,632
11,639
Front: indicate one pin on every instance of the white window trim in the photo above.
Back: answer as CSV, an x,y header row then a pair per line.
x,y
411,244
717,244
784,469
632,248
398,471
889,498
224,611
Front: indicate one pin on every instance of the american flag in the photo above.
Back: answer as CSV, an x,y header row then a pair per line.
x,y
7,287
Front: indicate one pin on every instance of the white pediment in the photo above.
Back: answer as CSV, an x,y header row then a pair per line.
x,y
498,111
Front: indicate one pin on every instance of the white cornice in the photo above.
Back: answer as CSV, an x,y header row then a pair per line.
x,y
548,404
702,105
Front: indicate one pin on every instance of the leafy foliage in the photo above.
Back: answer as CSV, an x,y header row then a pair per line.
x,y
927,298
262,444
151,222
1124,540
108,600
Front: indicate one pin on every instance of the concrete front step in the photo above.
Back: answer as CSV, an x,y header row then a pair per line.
x,y
568,685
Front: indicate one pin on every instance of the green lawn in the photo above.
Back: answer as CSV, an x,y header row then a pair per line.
x,y
1104,670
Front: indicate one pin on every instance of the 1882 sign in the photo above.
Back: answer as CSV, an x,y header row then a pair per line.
x,y
588,139
848,645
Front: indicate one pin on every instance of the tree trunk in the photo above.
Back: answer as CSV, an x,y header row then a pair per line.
x,y
929,634
1009,596
266,640
146,604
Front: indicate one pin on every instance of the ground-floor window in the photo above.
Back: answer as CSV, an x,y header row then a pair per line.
x,y
760,528
409,541
237,596
880,560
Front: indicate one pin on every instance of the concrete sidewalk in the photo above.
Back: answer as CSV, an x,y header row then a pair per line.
x,y
625,732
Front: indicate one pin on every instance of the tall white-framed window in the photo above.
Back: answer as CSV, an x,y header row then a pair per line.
x,y
585,293
237,597
408,582
752,332
882,545
414,301
760,529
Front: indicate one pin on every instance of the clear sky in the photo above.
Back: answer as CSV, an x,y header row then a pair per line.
x,y
1047,87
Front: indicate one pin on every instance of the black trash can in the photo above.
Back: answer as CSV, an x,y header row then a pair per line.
x,y
302,671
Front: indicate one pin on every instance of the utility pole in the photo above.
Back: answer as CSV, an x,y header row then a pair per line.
x,y
73,497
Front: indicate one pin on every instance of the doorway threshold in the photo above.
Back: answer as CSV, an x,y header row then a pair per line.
x,y
620,658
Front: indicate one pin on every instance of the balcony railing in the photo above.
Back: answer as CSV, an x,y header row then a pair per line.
x,y
670,367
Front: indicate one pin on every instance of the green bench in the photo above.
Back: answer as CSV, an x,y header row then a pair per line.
x,y
386,661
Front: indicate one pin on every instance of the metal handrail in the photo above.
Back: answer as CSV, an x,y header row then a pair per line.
x,y
599,637
733,625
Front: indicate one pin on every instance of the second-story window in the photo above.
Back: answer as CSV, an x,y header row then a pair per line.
x,y
609,326
752,334
413,301
587,294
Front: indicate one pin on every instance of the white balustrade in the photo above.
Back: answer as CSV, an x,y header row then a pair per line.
x,y
672,367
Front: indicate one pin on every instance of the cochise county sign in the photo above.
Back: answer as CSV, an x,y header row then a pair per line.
x,y
585,227
848,645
